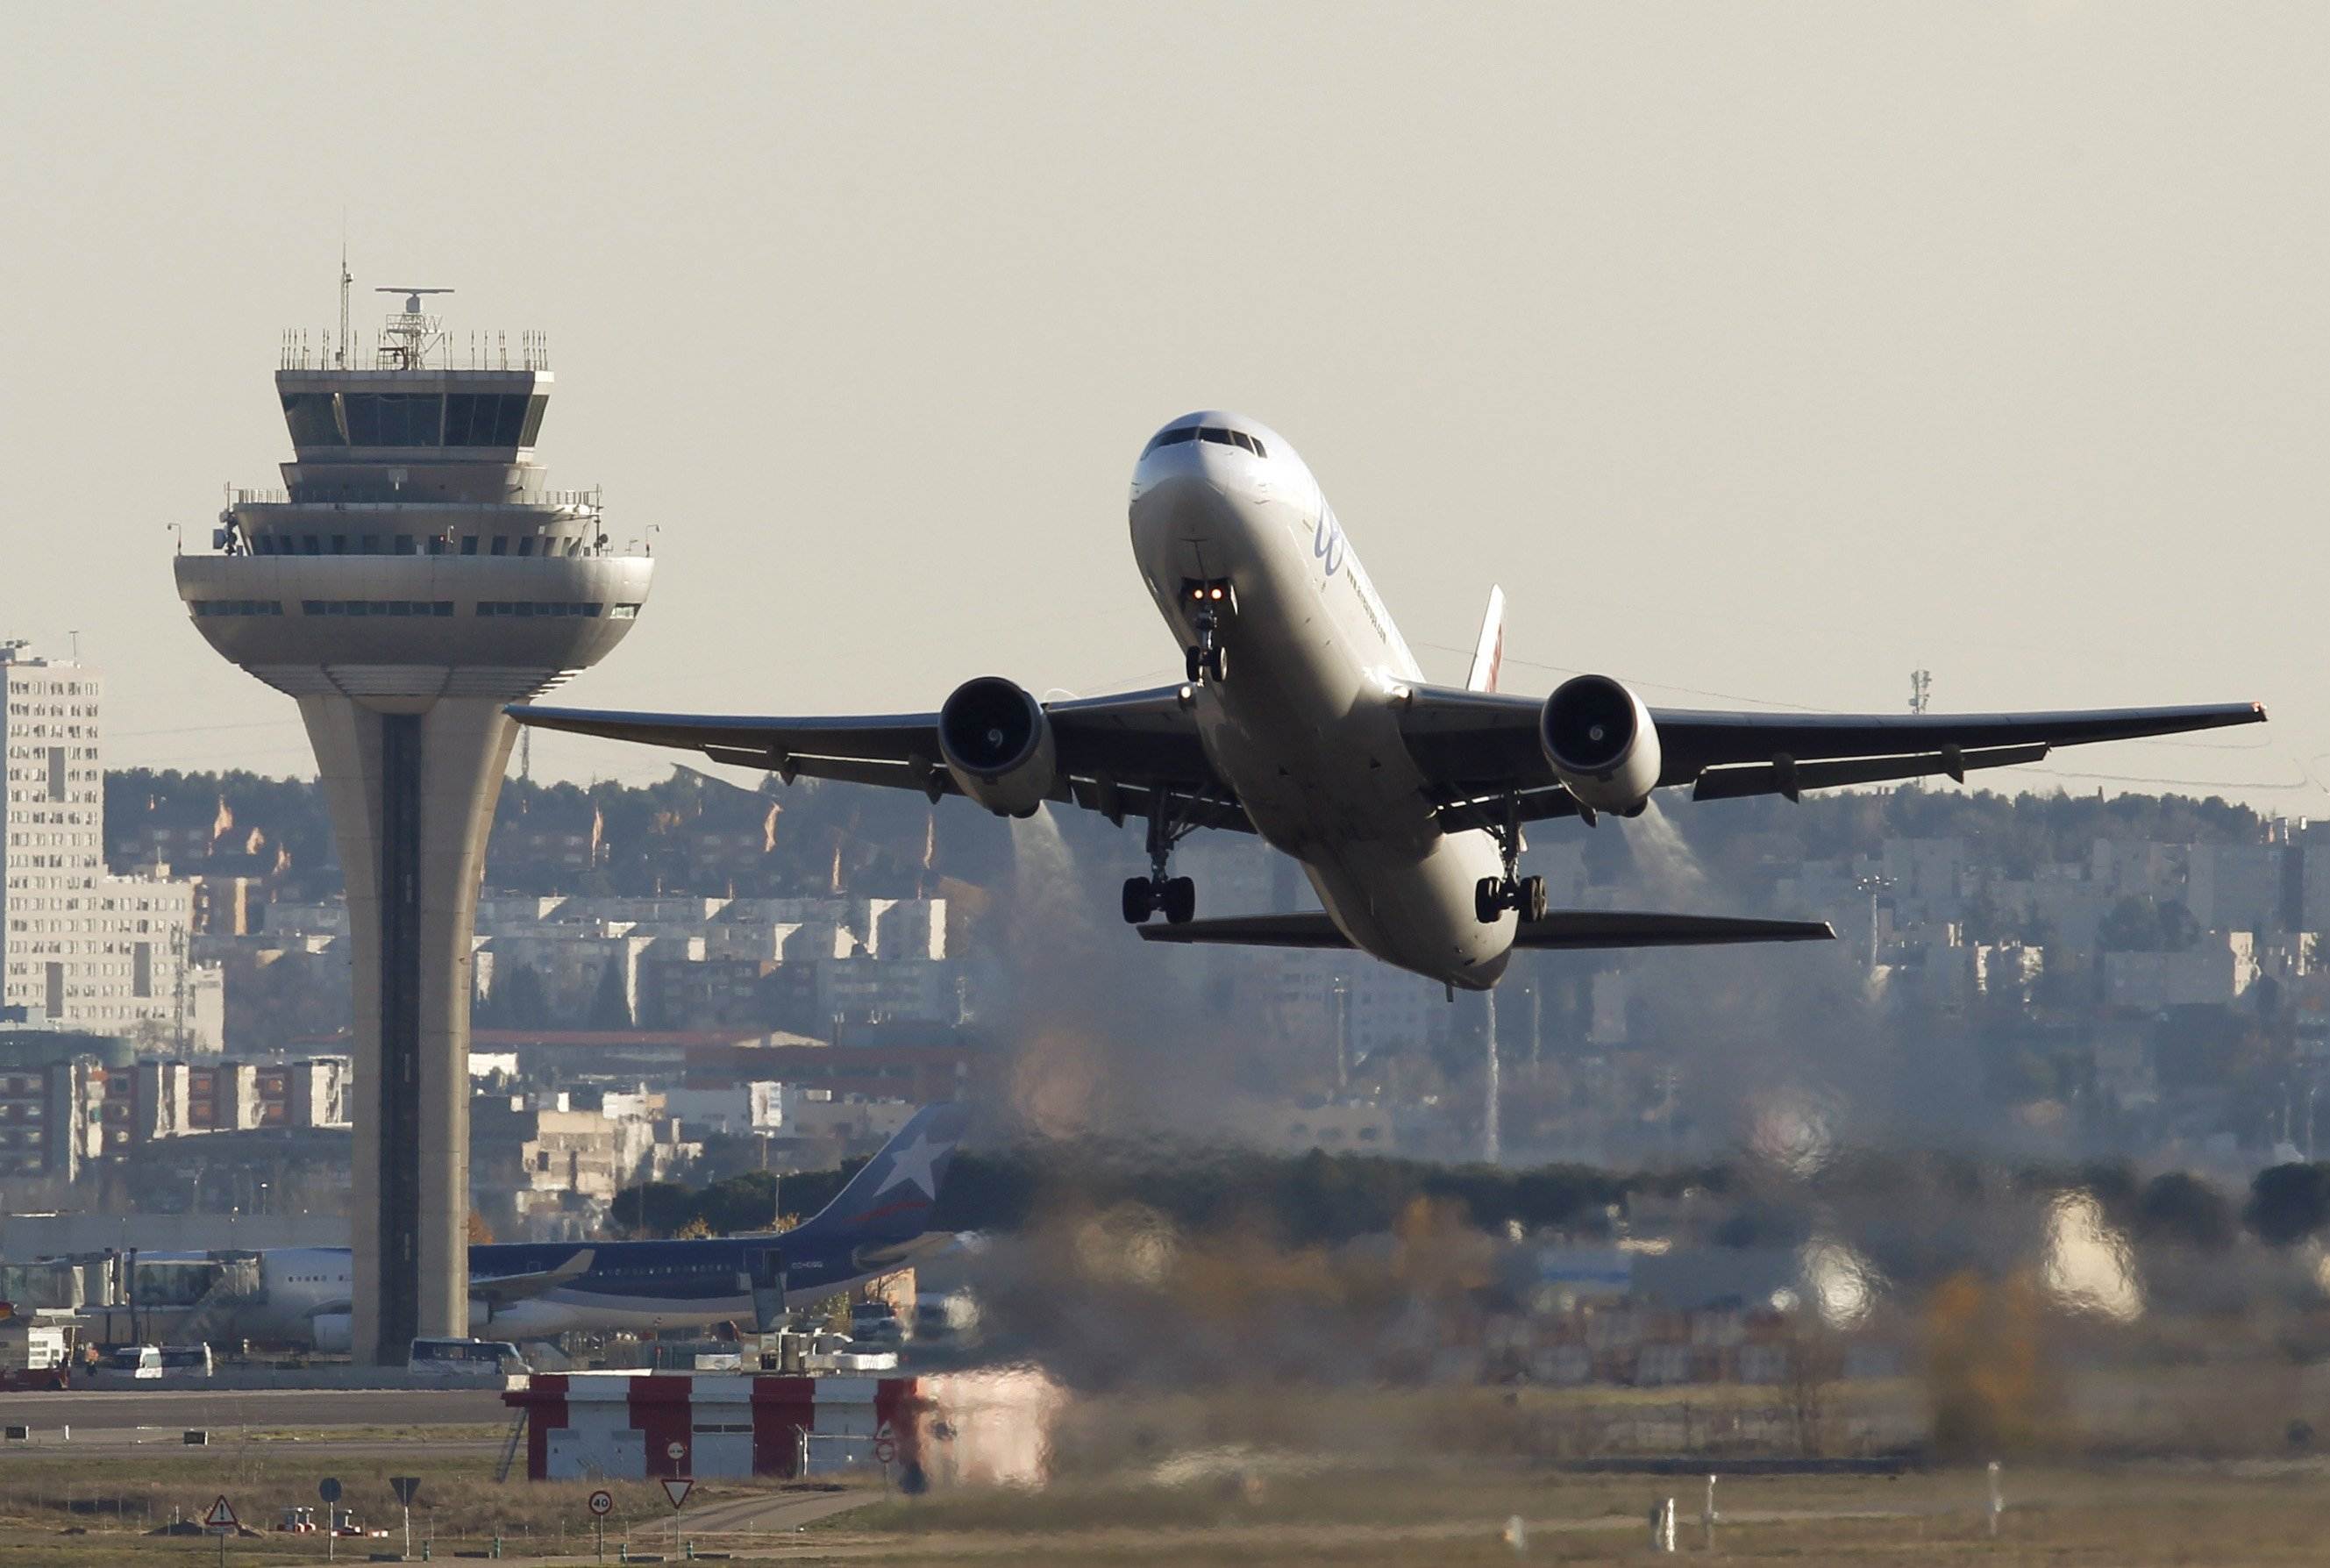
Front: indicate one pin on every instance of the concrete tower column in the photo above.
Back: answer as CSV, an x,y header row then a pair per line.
x,y
411,797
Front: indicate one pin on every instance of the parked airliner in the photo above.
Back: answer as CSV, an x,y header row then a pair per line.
x,y
878,1223
1305,717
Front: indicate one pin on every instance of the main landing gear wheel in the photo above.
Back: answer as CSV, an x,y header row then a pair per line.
x,y
1175,897
1492,896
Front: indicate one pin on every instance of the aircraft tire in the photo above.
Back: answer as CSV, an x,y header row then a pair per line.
x,y
1532,901
1489,899
1180,901
1139,901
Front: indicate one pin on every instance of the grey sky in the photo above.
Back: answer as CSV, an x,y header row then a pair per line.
x,y
1763,351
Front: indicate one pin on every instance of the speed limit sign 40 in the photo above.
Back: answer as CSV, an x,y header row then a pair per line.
x,y
602,1503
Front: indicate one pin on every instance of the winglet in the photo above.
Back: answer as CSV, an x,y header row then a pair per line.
x,y
1489,653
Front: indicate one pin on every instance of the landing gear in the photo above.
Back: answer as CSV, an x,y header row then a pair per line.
x,y
1525,895
1159,892
1203,664
1206,660
1175,897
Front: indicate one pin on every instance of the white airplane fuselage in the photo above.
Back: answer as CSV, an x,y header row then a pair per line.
x,y
1303,725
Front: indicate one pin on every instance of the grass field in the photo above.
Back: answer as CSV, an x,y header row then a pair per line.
x,y
1257,1478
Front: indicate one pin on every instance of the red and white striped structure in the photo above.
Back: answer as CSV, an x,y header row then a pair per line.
x,y
637,1426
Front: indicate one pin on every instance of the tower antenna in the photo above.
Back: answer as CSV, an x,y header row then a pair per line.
x,y
344,281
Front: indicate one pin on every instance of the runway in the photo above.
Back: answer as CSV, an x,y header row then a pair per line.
x,y
107,1414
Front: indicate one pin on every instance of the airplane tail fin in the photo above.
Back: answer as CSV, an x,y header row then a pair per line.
x,y
891,1197
1489,653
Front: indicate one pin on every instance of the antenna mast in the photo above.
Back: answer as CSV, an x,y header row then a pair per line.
x,y
344,281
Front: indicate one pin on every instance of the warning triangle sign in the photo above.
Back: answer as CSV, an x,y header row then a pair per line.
x,y
221,1517
676,1488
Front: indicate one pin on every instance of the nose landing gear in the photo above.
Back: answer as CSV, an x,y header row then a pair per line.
x,y
1206,660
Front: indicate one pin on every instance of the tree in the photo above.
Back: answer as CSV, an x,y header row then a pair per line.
x,y
2287,1203
2130,925
611,1006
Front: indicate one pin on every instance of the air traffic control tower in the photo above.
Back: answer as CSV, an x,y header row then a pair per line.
x,y
414,574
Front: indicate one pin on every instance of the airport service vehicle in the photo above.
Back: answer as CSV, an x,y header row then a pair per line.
x,y
1305,719
138,1360
945,1317
877,1324
455,1360
878,1223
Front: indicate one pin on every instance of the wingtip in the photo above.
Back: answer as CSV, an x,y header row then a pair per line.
x,y
2258,712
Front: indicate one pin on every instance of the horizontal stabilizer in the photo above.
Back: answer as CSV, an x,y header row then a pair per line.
x,y
1572,928
503,1289
1612,928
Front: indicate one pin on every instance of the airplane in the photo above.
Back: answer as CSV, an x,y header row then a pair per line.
x,y
523,1290
1304,717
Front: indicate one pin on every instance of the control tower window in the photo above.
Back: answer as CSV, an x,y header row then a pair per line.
x,y
313,420
469,544
534,407
501,544
485,418
525,546
393,418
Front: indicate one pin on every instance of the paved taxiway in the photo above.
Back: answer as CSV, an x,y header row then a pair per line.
x,y
103,1412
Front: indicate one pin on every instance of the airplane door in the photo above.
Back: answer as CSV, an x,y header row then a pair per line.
x,y
765,1278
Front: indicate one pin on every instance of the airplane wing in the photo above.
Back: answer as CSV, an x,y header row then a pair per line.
x,y
502,1289
1478,746
1568,929
1116,752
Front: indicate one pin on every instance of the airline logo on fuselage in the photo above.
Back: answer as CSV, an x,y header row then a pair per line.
x,y
1327,541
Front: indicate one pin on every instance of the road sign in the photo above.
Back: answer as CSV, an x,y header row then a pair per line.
x,y
222,1517
405,1488
328,1488
885,1450
602,1503
675,1449
676,1488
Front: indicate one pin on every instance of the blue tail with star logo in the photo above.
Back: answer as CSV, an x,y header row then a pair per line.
x,y
891,1197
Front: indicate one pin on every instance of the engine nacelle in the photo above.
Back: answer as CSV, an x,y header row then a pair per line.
x,y
1601,743
334,1332
998,744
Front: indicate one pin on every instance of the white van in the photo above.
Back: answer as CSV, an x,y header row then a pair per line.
x,y
136,1361
466,1360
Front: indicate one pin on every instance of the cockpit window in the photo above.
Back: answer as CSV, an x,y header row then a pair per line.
x,y
1219,436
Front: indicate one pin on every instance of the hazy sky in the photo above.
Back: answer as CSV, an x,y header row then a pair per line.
x,y
1760,352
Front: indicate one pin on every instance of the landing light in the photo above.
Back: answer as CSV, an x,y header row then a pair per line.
x,y
1217,593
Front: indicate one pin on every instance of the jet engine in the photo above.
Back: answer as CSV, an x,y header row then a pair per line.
x,y
335,1333
998,744
1601,743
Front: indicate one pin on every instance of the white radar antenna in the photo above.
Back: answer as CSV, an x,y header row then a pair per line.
x,y
408,338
